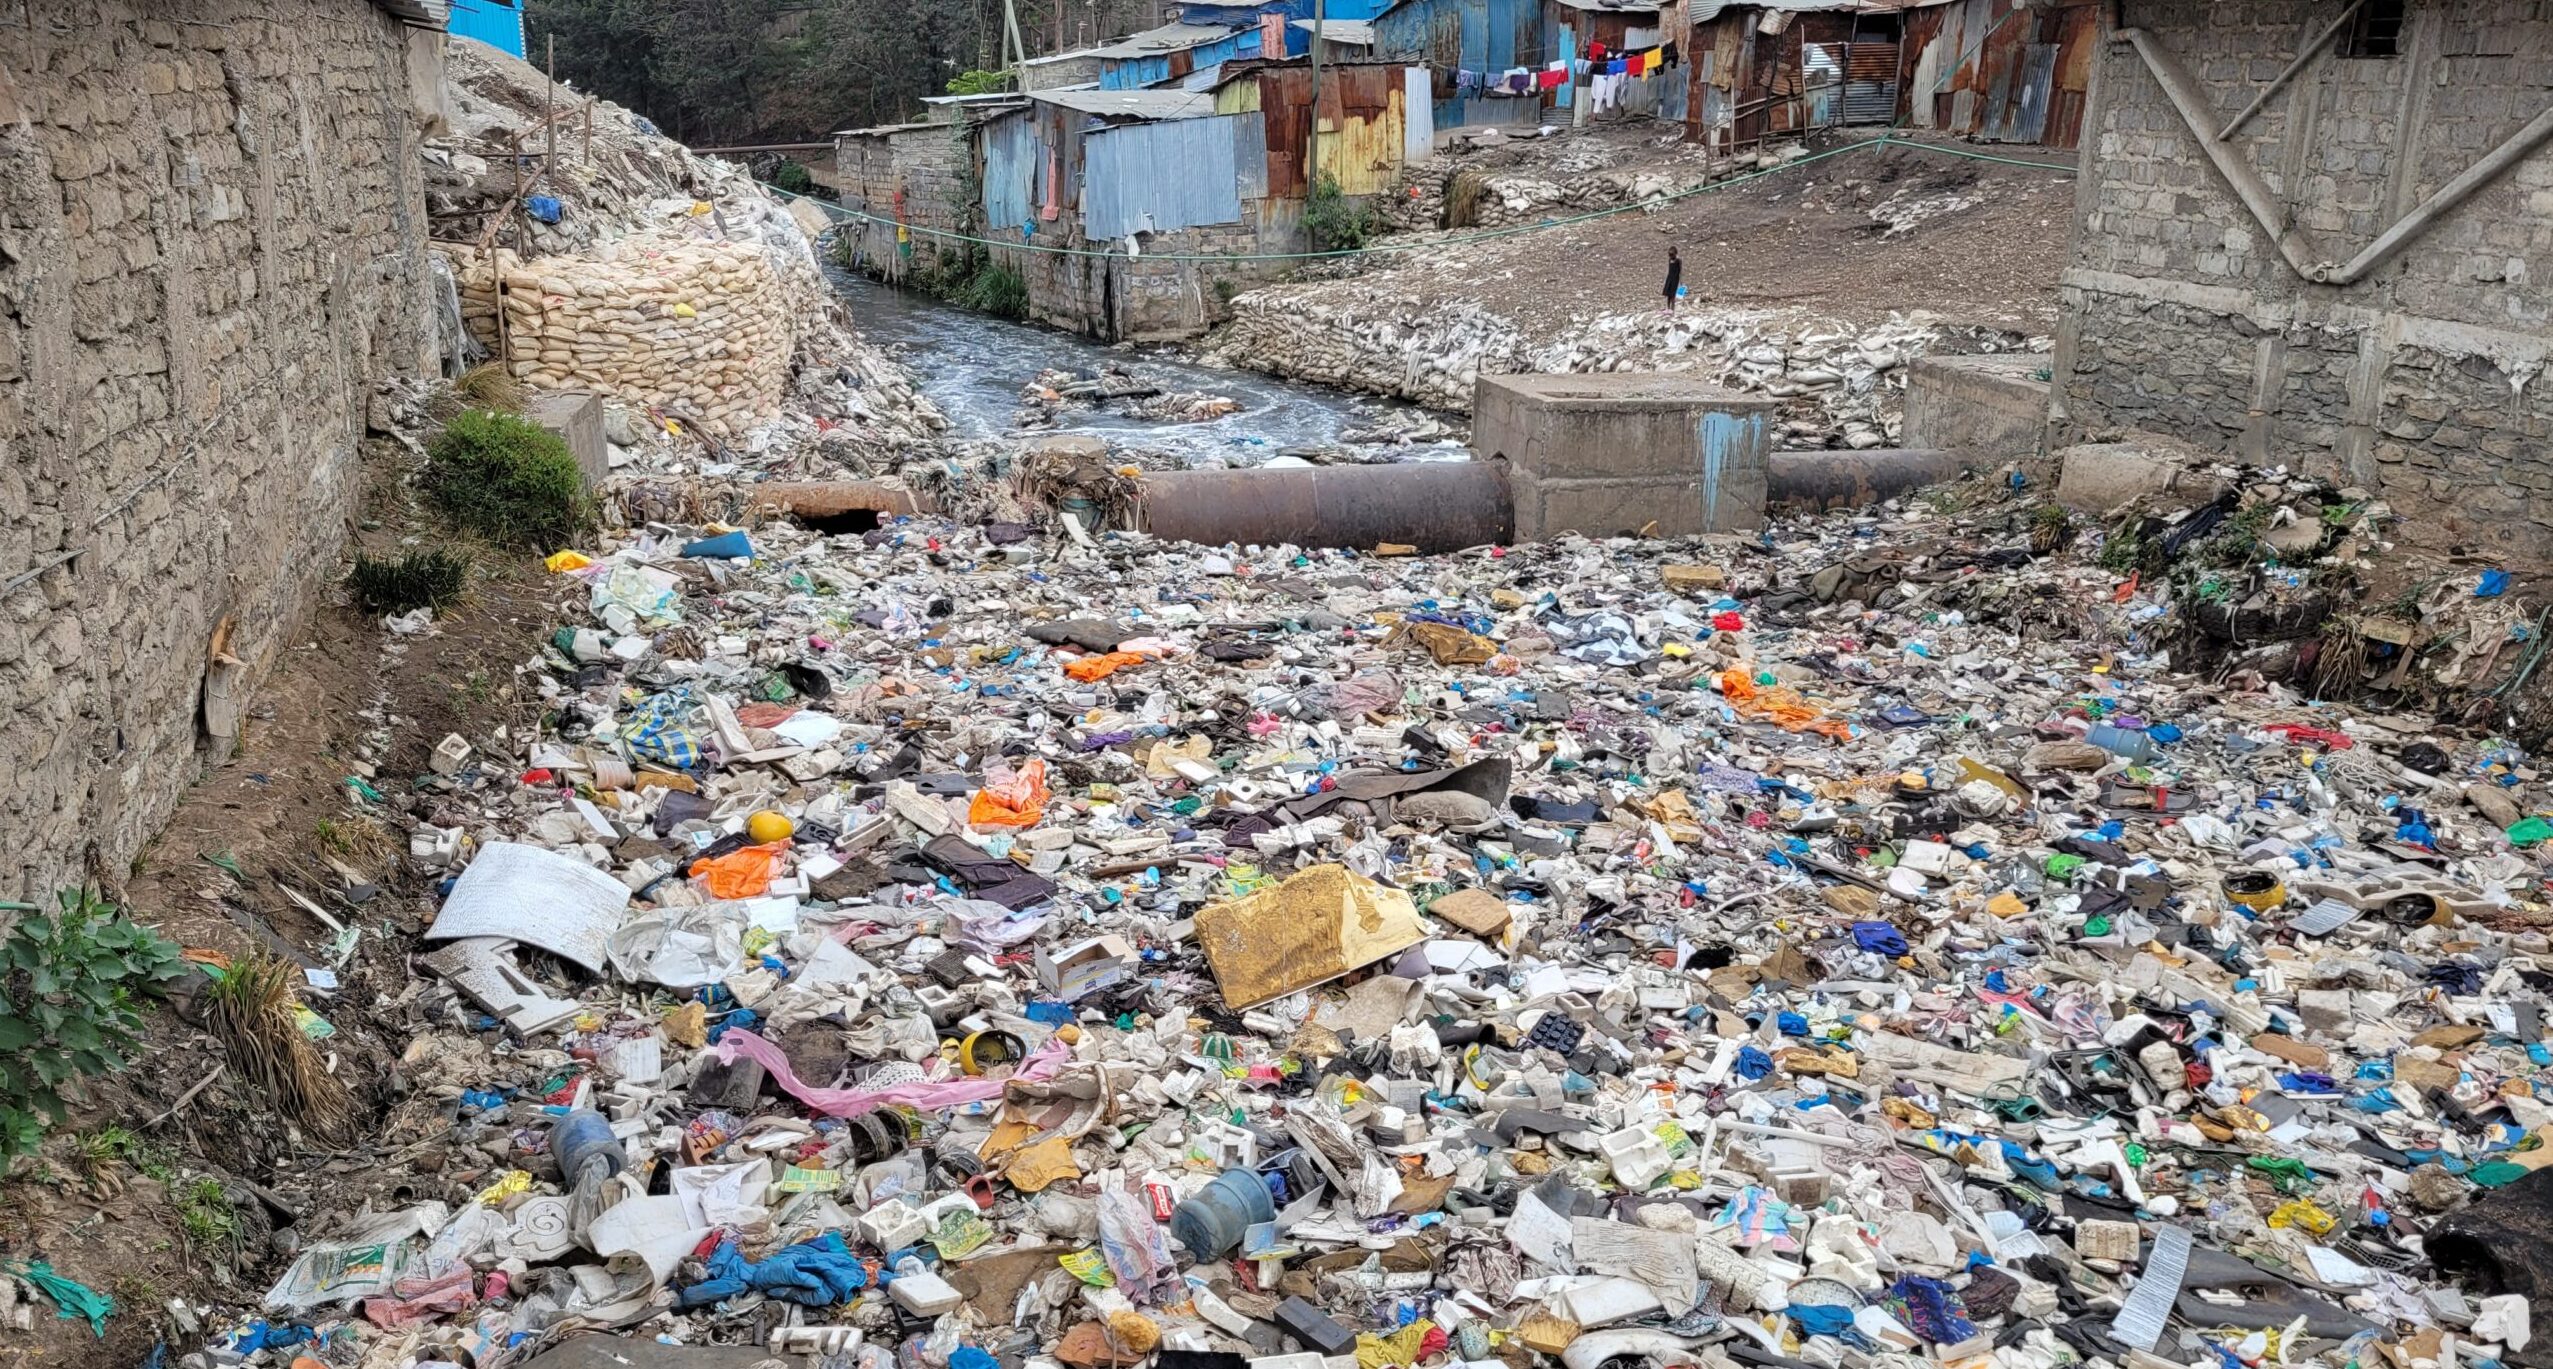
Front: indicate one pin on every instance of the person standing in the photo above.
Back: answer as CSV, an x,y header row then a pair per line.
x,y
1675,281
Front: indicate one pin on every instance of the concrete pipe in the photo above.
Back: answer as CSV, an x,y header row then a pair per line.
x,y
833,498
1434,506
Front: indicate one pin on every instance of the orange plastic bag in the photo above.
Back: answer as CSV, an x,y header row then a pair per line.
x,y
744,873
1009,798
1090,668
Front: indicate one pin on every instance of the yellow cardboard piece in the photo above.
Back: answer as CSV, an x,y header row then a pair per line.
x,y
1311,929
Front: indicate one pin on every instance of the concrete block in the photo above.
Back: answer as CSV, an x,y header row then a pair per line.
x,y
1983,407
1605,454
578,420
2096,477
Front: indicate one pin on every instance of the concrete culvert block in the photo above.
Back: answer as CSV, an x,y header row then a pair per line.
x,y
2096,477
1620,452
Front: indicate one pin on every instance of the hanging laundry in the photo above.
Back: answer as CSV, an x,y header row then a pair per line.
x,y
1673,59
1548,80
1616,67
1595,50
1636,64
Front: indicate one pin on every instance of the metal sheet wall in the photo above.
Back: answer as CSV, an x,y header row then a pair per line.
x,y
1011,157
1466,35
1363,118
1178,173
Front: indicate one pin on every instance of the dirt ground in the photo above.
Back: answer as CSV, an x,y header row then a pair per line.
x,y
146,1198
1980,243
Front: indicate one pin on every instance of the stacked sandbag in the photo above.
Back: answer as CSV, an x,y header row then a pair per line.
x,y
697,330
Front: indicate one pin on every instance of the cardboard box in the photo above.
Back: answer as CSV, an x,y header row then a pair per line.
x,y
1071,972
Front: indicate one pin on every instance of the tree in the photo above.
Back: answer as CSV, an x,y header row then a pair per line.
x,y
729,72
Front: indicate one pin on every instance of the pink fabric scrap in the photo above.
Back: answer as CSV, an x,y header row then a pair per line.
x,y
928,1095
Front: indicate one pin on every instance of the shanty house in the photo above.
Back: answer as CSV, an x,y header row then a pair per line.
x,y
1285,26
1119,209
1374,117
1998,70
1580,29
1187,55
1450,37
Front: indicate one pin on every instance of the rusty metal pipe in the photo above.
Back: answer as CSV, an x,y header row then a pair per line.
x,y
1821,480
1434,506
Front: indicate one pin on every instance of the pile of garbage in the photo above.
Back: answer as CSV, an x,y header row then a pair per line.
x,y
968,945
1843,380
1113,389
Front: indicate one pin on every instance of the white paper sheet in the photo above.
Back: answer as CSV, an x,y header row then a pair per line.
x,y
536,897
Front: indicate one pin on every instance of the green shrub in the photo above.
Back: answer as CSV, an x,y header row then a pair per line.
x,y
996,290
508,479
1334,222
419,579
793,177
71,985
979,82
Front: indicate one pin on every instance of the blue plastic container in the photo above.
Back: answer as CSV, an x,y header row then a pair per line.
x,y
1211,1225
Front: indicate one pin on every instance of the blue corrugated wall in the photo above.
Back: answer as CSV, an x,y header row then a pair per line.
x,y
1180,173
1471,35
1138,73
496,24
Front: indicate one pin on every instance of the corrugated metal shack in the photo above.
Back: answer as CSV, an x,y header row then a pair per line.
x,y
1101,190
1448,36
1998,70
1280,22
1172,53
1367,128
2004,72
1576,26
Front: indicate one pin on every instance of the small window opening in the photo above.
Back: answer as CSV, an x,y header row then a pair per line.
x,y
2376,31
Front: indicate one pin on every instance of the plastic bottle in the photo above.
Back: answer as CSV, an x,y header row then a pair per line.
x,y
1211,1224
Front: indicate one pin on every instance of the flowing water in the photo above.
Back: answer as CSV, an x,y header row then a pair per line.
x,y
973,366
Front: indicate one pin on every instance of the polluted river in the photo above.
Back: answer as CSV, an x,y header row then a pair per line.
x,y
979,370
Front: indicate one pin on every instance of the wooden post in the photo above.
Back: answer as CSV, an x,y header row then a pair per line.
x,y
549,107
1312,154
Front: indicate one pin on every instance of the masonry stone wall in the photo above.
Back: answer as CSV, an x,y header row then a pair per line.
x,y
2422,380
1155,297
211,245
917,176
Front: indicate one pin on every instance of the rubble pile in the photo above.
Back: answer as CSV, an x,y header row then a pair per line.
x,y
1494,180
959,946
1844,380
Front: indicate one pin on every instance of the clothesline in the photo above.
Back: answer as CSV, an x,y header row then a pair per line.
x,y
1601,72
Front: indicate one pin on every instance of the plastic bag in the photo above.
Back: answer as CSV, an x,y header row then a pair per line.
x,y
1090,668
1009,798
745,873
1135,1246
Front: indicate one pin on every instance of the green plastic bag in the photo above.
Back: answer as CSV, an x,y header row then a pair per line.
x,y
2530,832
72,1298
